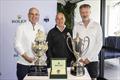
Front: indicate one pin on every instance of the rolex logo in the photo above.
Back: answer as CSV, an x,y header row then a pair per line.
x,y
19,19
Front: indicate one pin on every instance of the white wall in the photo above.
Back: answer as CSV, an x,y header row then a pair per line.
x,y
9,11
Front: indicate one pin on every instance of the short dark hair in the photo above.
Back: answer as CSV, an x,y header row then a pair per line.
x,y
85,6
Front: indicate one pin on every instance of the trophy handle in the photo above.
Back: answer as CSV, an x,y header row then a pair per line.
x,y
86,39
68,43
73,46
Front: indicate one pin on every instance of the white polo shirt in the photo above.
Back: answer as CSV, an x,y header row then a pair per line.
x,y
94,32
25,36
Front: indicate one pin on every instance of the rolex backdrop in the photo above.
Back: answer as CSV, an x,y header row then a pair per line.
x,y
12,14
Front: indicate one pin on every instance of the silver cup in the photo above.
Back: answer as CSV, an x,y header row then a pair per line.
x,y
39,48
79,48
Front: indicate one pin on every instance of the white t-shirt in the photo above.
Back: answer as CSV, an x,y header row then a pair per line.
x,y
94,32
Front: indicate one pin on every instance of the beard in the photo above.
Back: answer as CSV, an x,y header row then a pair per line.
x,y
85,18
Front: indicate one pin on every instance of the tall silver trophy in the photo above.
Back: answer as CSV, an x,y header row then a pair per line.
x,y
79,48
39,48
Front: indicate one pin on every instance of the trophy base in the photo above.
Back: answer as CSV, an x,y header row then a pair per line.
x,y
78,71
38,71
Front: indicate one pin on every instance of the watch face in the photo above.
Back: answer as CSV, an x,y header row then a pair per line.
x,y
58,71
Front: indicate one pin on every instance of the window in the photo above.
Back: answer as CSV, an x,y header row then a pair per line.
x,y
112,26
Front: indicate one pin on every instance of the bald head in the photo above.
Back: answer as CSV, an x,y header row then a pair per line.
x,y
33,15
60,14
60,19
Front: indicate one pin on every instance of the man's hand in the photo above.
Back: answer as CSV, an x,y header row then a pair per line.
x,y
27,58
81,60
86,61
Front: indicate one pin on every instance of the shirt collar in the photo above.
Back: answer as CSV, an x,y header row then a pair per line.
x,y
63,28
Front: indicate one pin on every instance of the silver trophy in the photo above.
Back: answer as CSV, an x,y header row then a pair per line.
x,y
39,48
79,48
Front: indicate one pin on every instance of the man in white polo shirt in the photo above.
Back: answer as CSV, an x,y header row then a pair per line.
x,y
90,28
24,38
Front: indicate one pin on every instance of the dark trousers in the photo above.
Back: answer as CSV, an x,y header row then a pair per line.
x,y
22,70
92,68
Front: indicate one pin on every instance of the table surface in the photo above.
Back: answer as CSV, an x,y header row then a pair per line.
x,y
70,77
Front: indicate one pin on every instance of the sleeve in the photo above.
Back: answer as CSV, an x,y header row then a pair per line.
x,y
98,44
49,51
18,39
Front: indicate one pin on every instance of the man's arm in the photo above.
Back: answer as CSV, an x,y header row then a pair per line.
x,y
50,44
27,58
19,47
98,45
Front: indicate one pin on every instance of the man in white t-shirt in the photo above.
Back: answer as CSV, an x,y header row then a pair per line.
x,y
90,28
25,36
